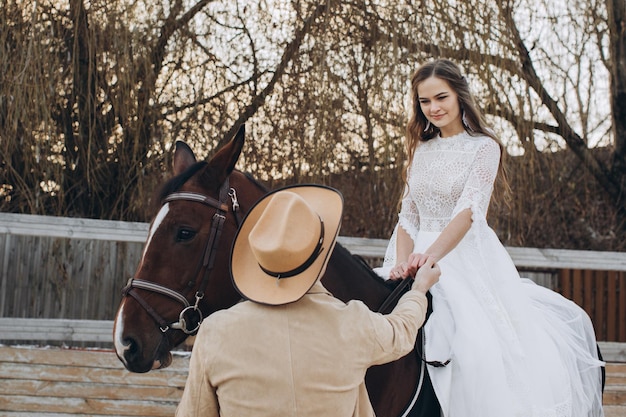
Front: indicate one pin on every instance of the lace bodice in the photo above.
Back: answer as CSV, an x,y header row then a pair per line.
x,y
447,176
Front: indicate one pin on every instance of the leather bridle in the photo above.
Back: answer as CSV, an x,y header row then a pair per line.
x,y
207,262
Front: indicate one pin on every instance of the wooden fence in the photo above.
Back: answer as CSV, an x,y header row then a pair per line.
x,y
73,269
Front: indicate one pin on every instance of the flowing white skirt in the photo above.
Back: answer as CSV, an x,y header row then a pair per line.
x,y
517,349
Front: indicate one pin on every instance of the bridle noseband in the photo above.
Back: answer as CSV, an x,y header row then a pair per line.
x,y
208,259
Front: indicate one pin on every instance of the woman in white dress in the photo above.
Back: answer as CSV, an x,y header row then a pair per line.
x,y
516,349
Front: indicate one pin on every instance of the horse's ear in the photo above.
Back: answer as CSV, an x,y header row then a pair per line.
x,y
226,158
183,157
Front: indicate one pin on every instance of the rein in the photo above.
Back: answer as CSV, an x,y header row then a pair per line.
x,y
386,308
208,259
395,295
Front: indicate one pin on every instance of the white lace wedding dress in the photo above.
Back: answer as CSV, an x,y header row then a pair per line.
x,y
517,349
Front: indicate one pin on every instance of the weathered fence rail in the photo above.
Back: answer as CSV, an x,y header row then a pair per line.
x,y
71,270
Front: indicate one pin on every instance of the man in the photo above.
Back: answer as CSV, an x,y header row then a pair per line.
x,y
292,349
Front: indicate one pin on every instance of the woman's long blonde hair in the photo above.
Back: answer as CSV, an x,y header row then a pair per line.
x,y
473,120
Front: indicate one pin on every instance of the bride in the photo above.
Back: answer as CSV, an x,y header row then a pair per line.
x,y
515,348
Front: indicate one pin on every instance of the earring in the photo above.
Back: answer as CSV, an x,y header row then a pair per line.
x,y
465,123
427,126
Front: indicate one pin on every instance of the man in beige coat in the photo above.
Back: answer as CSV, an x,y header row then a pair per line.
x,y
292,349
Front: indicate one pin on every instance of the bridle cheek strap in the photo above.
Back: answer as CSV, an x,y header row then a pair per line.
x,y
217,225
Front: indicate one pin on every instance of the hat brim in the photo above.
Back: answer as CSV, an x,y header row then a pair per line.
x,y
258,286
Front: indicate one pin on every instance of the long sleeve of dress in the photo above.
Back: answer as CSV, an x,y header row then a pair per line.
x,y
479,186
409,218
409,221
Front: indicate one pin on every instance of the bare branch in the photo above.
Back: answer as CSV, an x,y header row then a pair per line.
x,y
290,51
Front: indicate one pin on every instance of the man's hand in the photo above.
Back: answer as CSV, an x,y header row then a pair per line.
x,y
427,275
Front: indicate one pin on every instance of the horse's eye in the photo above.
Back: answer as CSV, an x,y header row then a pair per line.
x,y
185,235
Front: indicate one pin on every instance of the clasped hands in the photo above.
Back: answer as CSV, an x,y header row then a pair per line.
x,y
410,267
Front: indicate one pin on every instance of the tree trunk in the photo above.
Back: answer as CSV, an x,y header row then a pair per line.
x,y
81,145
617,47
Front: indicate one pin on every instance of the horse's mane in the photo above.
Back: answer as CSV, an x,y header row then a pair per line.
x,y
255,182
174,183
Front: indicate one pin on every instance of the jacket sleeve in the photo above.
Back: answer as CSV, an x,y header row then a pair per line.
x,y
395,333
199,397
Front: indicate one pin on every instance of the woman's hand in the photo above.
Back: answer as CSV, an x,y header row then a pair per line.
x,y
416,260
400,271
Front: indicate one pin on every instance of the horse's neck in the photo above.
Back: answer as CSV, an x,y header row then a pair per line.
x,y
348,278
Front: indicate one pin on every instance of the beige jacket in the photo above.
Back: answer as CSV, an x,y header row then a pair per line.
x,y
306,358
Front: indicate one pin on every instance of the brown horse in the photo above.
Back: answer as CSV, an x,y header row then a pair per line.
x,y
184,276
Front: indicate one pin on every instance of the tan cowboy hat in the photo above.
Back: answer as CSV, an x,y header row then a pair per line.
x,y
284,243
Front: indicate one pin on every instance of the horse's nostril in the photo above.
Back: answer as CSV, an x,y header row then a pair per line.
x,y
131,349
130,344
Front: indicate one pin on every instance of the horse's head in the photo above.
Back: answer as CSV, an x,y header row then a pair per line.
x,y
184,274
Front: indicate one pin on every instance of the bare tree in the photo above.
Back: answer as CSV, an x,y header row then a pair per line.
x,y
93,94
611,178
